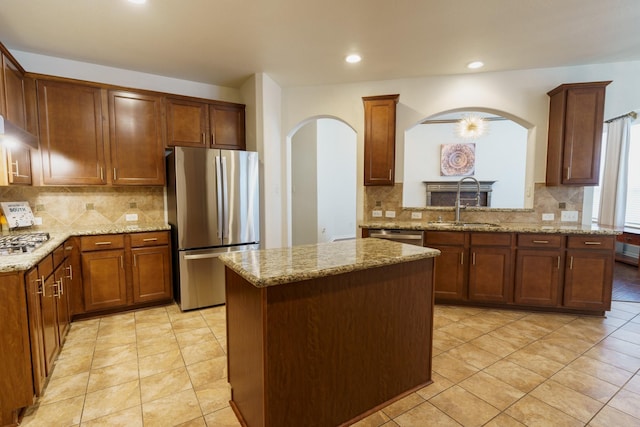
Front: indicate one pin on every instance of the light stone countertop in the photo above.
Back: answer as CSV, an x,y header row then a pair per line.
x,y
269,267
23,262
505,227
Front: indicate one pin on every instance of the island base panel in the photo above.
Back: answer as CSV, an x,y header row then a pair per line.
x,y
331,350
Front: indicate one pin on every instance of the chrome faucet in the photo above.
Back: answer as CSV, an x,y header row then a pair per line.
x,y
459,199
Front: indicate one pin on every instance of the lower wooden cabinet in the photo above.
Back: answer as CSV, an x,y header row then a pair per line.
x,y
558,272
120,271
588,277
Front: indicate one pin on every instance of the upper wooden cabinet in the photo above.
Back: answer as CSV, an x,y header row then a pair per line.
x,y
576,115
91,136
204,124
136,139
379,139
14,107
72,139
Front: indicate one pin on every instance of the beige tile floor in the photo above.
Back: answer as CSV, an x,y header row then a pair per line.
x,y
161,367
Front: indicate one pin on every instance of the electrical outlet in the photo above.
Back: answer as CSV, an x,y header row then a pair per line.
x,y
390,214
548,217
131,217
416,215
569,216
37,220
376,214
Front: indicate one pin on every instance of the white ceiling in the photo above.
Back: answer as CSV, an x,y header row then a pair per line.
x,y
298,42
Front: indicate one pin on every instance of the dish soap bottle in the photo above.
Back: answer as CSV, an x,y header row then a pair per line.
x,y
3,223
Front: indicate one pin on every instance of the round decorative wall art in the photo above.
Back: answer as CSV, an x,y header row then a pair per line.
x,y
457,159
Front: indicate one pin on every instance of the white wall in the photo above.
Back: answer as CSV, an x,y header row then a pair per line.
x,y
520,93
42,64
500,156
304,187
336,181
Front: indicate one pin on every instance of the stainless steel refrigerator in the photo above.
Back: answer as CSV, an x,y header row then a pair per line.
x,y
213,208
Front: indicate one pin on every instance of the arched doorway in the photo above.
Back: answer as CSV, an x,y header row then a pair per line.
x,y
323,181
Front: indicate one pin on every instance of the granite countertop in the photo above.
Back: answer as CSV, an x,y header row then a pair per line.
x,y
22,262
269,267
505,227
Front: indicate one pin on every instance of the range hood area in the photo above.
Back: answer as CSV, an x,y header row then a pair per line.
x,y
9,131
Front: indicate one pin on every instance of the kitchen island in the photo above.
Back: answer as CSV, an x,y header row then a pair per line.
x,y
324,335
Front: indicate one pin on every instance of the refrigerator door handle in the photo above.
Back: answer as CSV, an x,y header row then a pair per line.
x,y
219,183
202,256
225,195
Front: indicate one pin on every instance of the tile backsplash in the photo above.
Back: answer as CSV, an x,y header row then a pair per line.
x,y
86,206
546,200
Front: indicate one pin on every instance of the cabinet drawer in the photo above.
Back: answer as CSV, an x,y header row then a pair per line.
x,y
491,239
591,242
58,255
540,240
629,238
45,266
158,238
105,241
444,238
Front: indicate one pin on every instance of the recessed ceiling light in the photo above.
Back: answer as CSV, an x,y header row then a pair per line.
x,y
138,1
353,58
475,65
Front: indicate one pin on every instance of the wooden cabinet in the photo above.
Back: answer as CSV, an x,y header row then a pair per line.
x,y
379,139
136,138
589,272
195,123
491,267
122,271
72,140
576,115
19,165
36,334
12,92
450,268
103,272
151,267
539,269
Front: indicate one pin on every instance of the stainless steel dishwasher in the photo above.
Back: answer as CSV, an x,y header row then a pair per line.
x,y
412,237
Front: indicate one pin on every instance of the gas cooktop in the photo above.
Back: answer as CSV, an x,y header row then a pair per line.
x,y
21,243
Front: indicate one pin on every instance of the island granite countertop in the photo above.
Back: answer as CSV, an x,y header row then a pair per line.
x,y
23,262
269,267
503,227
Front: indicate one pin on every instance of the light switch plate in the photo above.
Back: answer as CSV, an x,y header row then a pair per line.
x,y
376,214
131,217
416,215
548,217
569,216
390,214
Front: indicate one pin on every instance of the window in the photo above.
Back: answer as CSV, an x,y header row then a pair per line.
x,y
632,215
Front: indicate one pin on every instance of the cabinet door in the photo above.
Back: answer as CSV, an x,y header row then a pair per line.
x,y
187,123
73,286
62,303
490,274
104,279
449,273
71,133
136,138
19,165
379,139
14,93
50,322
538,274
151,274
227,126
588,279
34,292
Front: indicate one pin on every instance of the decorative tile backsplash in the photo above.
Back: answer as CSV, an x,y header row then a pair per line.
x,y
546,200
86,206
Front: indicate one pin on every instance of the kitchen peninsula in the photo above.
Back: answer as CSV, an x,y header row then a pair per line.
x,y
325,334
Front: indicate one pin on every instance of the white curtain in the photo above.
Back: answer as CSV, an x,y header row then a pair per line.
x,y
613,193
